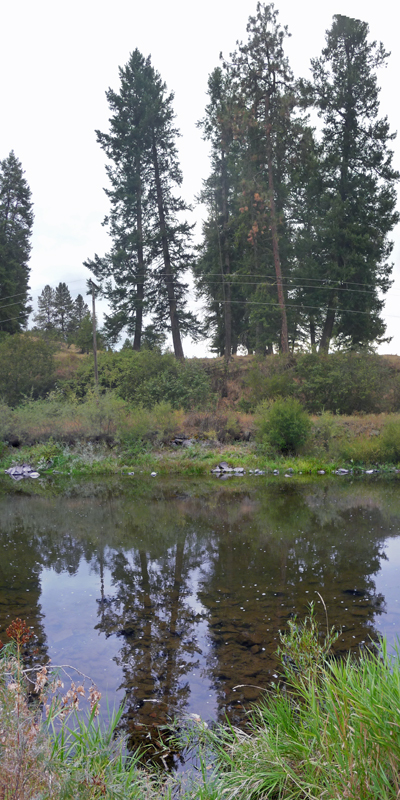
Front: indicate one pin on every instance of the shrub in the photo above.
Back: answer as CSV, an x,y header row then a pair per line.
x,y
345,383
283,424
26,368
146,378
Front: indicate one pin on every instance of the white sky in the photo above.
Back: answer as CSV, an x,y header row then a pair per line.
x,y
58,58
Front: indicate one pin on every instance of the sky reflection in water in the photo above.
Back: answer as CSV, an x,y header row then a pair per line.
x,y
169,596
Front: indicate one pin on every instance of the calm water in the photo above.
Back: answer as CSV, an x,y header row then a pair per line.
x,y
170,594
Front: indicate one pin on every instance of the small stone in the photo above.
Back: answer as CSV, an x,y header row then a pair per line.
x,y
276,472
34,475
153,474
132,473
321,472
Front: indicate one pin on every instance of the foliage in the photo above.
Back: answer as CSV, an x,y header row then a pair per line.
x,y
334,733
391,440
63,755
149,254
16,220
284,425
26,368
58,313
146,378
357,187
343,383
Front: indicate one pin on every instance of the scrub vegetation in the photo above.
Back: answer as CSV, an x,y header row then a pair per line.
x,y
306,411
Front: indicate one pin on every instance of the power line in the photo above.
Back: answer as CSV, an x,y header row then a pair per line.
x,y
257,303
11,304
10,296
223,280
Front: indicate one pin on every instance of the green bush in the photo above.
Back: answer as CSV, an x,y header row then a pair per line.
x,y
147,378
26,368
269,378
284,425
342,383
345,383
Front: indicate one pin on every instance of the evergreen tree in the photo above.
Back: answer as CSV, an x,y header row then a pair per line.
x,y
248,237
79,310
16,220
45,316
143,221
358,186
265,92
63,308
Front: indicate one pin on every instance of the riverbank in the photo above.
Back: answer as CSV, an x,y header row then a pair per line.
x,y
97,459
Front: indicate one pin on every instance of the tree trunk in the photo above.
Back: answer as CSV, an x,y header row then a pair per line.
x,y
312,333
140,284
274,233
168,274
328,325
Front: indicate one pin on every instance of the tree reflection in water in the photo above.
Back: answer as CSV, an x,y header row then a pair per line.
x,y
236,559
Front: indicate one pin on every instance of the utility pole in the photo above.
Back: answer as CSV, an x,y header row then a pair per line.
x,y
96,374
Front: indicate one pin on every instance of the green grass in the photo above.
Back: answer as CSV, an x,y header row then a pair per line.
x,y
328,729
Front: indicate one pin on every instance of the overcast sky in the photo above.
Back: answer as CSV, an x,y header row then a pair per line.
x,y
58,58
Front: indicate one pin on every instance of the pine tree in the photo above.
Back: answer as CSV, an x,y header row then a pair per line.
x,y
142,272
358,185
16,220
265,92
247,234
79,310
45,316
63,308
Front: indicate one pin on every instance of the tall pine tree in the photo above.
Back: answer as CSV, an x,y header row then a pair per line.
x,y
357,188
16,220
142,273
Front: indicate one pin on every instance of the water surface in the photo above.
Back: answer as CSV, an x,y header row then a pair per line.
x,y
170,594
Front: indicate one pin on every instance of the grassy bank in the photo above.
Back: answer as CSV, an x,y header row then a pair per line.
x,y
103,434
327,728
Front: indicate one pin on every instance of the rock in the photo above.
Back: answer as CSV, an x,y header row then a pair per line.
x,y
290,470
341,471
188,443
371,471
239,470
224,466
131,473
321,472
153,474
21,471
288,475
276,472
